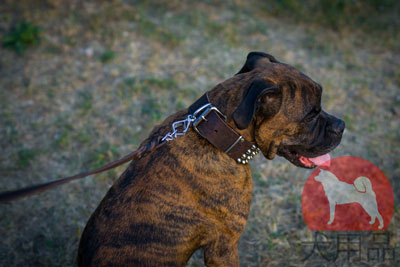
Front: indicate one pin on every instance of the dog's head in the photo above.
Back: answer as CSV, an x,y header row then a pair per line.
x,y
281,107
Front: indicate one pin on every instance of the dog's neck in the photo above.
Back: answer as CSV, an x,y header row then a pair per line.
x,y
227,97
212,124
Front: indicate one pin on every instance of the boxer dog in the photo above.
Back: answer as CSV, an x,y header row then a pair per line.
x,y
190,194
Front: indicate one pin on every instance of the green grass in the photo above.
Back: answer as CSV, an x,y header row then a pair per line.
x,y
316,44
62,136
370,15
9,130
62,139
149,29
21,36
162,84
85,101
25,157
151,110
108,55
102,155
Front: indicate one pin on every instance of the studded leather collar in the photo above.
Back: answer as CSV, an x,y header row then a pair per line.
x,y
211,124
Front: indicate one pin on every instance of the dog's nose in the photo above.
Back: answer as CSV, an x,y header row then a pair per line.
x,y
336,127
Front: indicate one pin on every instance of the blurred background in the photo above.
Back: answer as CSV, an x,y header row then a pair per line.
x,y
83,82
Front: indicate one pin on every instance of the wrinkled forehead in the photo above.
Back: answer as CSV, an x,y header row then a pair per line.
x,y
280,73
300,93
302,89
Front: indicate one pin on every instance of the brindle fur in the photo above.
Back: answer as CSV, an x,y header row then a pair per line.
x,y
187,194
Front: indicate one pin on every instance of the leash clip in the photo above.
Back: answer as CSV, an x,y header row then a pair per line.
x,y
179,128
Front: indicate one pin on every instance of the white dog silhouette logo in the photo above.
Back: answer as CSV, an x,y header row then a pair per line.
x,y
339,192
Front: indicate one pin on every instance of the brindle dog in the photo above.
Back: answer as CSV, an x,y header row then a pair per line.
x,y
187,194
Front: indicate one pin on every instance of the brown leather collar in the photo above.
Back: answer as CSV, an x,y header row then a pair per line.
x,y
210,124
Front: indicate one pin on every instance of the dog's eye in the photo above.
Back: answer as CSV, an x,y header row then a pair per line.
x,y
309,119
312,115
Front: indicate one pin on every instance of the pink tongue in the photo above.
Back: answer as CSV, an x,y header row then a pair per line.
x,y
321,160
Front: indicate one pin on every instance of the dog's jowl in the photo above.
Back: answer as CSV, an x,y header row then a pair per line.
x,y
195,191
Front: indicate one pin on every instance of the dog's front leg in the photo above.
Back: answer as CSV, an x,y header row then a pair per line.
x,y
221,254
332,205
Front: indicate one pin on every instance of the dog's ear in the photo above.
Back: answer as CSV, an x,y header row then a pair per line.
x,y
259,93
255,59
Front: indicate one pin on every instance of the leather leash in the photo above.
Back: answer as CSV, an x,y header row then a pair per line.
x,y
30,190
206,120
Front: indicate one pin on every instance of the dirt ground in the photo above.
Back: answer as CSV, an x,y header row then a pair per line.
x,y
105,72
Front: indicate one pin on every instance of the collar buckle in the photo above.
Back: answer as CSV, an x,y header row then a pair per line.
x,y
207,109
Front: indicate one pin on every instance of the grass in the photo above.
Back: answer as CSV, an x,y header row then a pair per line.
x,y
152,110
63,110
157,32
25,157
108,55
85,101
21,36
101,156
372,21
370,15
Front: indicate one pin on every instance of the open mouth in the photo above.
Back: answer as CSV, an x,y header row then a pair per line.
x,y
302,161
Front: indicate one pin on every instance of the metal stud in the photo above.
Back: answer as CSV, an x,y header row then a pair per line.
x,y
239,160
243,162
248,157
253,147
253,153
248,151
244,156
